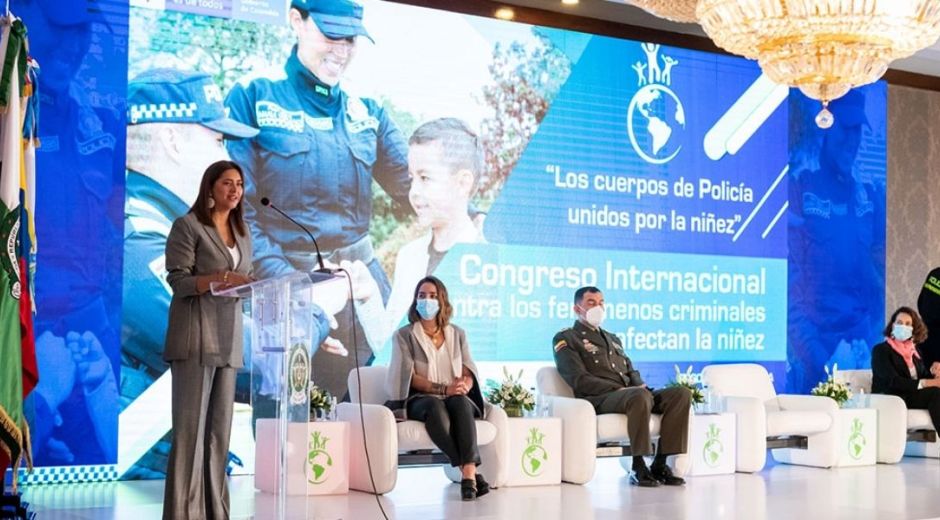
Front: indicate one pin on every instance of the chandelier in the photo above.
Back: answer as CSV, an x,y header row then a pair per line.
x,y
823,47
682,11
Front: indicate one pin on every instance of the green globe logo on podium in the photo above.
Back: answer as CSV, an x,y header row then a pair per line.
x,y
318,459
712,450
534,455
857,440
655,117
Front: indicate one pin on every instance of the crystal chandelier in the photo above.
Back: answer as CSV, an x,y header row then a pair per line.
x,y
682,11
823,47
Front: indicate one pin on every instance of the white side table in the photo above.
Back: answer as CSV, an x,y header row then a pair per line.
x,y
712,444
318,457
534,451
857,436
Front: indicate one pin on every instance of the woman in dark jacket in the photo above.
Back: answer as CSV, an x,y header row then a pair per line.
x,y
898,369
434,380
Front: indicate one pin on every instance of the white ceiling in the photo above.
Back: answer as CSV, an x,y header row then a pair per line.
x,y
926,61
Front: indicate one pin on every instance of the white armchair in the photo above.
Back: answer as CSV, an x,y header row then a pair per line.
x,y
797,428
587,435
900,431
406,443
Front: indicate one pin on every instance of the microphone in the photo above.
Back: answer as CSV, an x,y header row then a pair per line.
x,y
267,202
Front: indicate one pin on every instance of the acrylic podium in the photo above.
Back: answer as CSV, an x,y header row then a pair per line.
x,y
281,331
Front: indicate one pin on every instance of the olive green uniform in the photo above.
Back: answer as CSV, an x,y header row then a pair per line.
x,y
594,365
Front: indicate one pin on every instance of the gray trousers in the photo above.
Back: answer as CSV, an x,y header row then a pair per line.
x,y
637,403
203,400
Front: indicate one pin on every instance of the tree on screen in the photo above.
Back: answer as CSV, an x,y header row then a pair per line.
x,y
525,80
226,49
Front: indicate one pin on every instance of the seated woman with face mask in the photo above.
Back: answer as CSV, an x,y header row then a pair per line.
x,y
432,379
897,367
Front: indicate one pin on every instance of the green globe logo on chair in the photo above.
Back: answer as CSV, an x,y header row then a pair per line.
x,y
534,456
712,450
857,440
318,459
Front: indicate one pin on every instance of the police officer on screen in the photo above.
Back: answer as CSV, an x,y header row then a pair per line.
x,y
74,419
316,156
836,243
176,126
592,361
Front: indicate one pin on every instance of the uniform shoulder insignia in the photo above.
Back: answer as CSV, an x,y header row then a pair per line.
x,y
560,345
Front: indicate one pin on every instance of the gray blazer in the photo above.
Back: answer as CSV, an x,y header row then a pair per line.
x,y
407,353
206,326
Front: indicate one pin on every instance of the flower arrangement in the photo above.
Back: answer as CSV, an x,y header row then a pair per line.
x,y
691,381
837,389
510,395
321,402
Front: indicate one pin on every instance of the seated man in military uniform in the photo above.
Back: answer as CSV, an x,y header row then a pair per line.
x,y
591,360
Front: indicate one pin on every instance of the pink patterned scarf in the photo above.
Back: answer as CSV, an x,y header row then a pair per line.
x,y
906,349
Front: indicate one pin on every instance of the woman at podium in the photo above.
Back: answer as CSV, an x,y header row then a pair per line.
x,y
207,248
433,379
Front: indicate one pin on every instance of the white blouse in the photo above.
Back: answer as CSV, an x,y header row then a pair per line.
x,y
236,254
441,365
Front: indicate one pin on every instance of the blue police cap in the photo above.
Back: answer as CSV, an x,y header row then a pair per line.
x,y
336,19
176,96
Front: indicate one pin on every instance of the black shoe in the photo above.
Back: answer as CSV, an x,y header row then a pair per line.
x,y
468,489
643,478
664,474
483,487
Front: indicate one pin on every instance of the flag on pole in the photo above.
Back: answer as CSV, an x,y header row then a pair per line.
x,y
14,437
27,252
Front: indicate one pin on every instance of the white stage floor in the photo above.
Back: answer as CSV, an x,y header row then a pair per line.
x,y
909,490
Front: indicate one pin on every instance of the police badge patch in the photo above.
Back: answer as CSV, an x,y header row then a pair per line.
x,y
299,370
272,115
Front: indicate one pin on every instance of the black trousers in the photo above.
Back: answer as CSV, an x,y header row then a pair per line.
x,y
926,399
638,403
450,424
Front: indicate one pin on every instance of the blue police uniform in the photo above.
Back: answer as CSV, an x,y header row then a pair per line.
x,y
148,216
836,242
316,156
77,287
317,153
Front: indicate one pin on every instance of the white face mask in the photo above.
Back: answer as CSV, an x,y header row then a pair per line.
x,y
427,308
902,332
595,316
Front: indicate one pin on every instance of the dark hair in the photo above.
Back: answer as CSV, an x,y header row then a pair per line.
x,y
444,314
201,206
579,294
304,14
462,147
920,330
